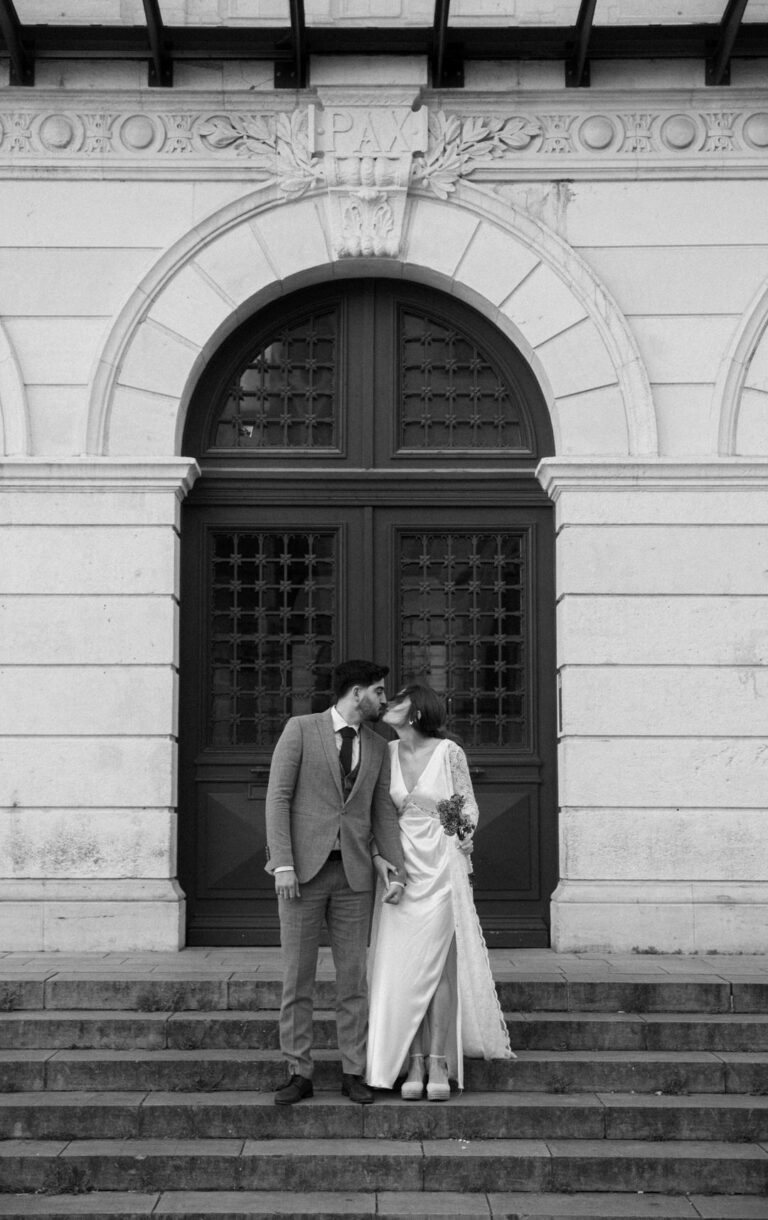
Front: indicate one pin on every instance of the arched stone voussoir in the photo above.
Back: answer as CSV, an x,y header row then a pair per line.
x,y
514,271
552,306
740,397
14,418
186,306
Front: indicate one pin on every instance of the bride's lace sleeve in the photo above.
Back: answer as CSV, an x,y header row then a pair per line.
x,y
460,780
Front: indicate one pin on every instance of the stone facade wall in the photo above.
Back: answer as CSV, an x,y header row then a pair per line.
x,y
618,238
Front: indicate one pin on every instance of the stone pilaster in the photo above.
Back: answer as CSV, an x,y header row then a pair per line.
x,y
88,727
663,736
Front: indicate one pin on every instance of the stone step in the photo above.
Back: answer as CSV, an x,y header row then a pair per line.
x,y
254,992
432,1205
596,1031
632,1031
673,1072
488,1166
476,1116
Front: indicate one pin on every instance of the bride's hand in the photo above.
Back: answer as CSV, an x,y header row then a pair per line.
x,y
394,894
466,845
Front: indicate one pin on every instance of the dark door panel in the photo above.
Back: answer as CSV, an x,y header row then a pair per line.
x,y
470,612
269,591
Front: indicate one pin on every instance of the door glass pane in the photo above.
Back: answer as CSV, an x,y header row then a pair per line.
x,y
463,629
285,396
273,615
451,396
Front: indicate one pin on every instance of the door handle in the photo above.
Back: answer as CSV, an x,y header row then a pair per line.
x,y
256,786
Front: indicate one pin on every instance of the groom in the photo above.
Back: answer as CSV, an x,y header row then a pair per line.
x,y
329,820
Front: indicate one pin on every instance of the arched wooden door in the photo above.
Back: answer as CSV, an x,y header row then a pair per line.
x,y
368,452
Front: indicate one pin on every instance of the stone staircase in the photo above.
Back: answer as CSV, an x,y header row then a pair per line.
x,y
134,1095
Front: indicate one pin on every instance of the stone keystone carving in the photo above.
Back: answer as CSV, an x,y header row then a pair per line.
x,y
362,152
366,200
367,152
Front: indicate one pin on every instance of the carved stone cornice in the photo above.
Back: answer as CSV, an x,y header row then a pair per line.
x,y
91,474
706,474
500,136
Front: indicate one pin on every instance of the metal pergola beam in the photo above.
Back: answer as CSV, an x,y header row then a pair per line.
x,y
22,61
161,64
447,62
477,42
718,66
289,48
291,73
577,66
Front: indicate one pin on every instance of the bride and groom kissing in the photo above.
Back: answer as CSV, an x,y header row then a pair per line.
x,y
347,811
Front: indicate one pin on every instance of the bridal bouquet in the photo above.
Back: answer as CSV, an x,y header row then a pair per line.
x,y
454,820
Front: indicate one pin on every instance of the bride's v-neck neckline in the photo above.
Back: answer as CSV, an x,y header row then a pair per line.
x,y
423,771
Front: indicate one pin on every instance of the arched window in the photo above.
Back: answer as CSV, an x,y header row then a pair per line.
x,y
371,362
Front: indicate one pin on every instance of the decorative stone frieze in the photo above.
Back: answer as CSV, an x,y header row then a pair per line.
x,y
457,147
276,146
459,136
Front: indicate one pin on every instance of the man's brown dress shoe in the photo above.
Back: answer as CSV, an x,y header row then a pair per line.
x,y
356,1089
297,1088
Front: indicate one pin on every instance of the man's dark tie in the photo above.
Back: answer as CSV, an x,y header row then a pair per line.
x,y
348,735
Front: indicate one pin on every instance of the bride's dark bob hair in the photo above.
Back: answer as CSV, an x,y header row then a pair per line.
x,y
427,708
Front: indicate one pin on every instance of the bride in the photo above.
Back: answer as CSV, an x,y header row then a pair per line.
x,y
432,995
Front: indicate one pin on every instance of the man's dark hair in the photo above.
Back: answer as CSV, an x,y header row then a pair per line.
x,y
356,673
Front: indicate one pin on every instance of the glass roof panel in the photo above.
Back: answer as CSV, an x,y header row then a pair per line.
x,y
663,12
548,13
385,13
74,12
255,13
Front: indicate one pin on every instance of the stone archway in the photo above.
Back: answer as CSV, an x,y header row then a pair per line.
x,y
740,395
513,270
510,267
14,427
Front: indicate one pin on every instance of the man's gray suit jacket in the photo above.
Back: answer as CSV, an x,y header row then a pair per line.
x,y
306,809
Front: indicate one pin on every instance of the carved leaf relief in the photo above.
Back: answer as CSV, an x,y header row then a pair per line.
x,y
280,148
457,146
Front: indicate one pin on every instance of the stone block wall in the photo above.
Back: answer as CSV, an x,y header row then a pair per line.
x,y
88,719
662,642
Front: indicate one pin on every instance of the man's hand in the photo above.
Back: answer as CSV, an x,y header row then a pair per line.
x,y
383,870
286,884
393,888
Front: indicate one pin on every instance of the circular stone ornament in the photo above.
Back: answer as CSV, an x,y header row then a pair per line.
x,y
678,131
756,130
137,132
597,132
56,131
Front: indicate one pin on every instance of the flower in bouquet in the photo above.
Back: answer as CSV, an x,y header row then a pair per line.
x,y
454,820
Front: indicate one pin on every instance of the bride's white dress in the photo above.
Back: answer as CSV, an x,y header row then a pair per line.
x,y
413,943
